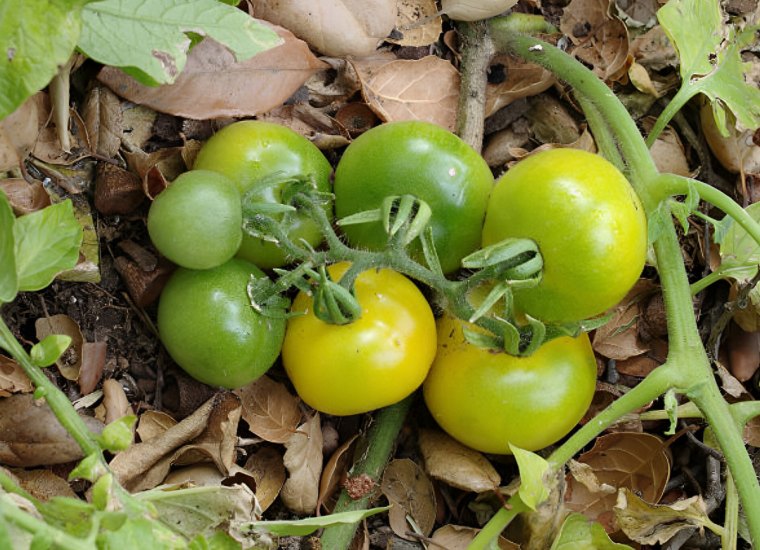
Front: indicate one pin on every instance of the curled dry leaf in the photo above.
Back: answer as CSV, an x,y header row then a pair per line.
x,y
323,130
156,169
619,338
641,365
458,536
214,85
451,462
102,117
199,475
730,385
334,470
600,38
71,360
303,460
474,10
115,401
410,89
521,80
333,27
267,468
335,84
30,434
24,197
418,21
411,495
550,121
19,130
93,364
153,424
138,122
736,152
636,461
12,378
668,152
271,411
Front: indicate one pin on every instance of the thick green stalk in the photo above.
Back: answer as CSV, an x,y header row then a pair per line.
x,y
487,537
381,438
10,513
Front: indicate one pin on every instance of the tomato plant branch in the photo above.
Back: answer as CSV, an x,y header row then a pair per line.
x,y
380,440
477,52
488,535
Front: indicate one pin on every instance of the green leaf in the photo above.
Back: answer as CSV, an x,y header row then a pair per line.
x,y
47,352
141,533
36,36
580,533
8,277
150,35
739,253
533,491
90,468
711,62
218,541
303,527
117,436
47,242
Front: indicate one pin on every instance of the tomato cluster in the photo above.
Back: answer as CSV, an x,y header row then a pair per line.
x,y
586,220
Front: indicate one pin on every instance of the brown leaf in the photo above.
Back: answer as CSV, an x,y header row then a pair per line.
x,y
138,121
743,352
522,80
93,363
656,524
267,468
641,365
334,470
333,85
405,89
333,27
451,462
30,434
752,432
736,152
636,461
619,338
156,169
599,36
154,423
453,537
199,475
19,130
730,385
271,411
418,22
410,494
214,85
24,197
12,378
71,360
303,459
102,117
43,484
115,401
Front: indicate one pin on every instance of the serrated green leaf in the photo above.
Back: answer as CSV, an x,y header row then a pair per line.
x,y
151,35
711,62
36,36
8,277
47,352
46,243
533,491
739,253
303,527
580,533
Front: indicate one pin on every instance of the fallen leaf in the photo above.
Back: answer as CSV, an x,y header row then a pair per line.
x,y
619,337
521,80
452,537
12,378
271,411
30,434
153,424
303,460
475,10
411,495
115,401
736,152
24,197
333,27
631,460
334,470
93,364
214,85
730,385
71,360
752,432
199,475
418,22
410,89
156,169
102,117
451,462
267,468
43,484
18,132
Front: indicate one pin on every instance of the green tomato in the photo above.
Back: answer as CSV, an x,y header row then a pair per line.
x,y
423,159
371,363
589,226
196,222
488,399
250,153
209,328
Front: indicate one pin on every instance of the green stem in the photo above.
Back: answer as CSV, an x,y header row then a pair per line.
x,y
731,522
707,280
486,537
603,137
682,97
380,439
11,513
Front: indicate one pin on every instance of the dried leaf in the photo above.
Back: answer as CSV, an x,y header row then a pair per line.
x,y
403,89
115,401
18,132
334,470
451,462
411,495
656,524
636,461
736,152
93,364
743,352
333,27
199,475
619,338
522,80
474,10
458,536
154,423
214,85
271,411
418,22
43,484
303,460
752,432
30,434
102,117
730,385
599,36
267,468
12,378
24,197
71,360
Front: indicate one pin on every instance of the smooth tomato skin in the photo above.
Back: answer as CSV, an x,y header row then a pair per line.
x,y
423,159
589,225
196,222
487,399
209,328
371,363
249,150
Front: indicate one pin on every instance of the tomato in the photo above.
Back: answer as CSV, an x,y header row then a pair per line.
x,y
589,226
249,150
487,399
196,222
425,160
373,362
209,328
